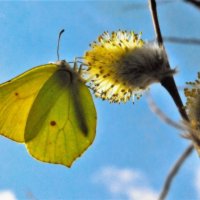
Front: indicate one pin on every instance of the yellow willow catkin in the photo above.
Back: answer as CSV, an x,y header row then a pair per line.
x,y
121,65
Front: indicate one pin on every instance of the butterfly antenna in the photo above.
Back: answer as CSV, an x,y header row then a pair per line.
x,y
58,46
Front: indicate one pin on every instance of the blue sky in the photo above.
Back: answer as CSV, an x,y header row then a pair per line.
x,y
133,148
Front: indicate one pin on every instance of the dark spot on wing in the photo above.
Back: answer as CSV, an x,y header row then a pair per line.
x,y
16,94
52,123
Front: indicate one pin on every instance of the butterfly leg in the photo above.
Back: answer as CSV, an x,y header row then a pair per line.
x,y
80,68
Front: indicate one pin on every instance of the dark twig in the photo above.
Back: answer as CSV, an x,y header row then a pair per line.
x,y
168,83
152,4
174,171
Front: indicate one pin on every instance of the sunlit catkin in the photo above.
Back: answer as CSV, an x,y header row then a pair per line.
x,y
121,65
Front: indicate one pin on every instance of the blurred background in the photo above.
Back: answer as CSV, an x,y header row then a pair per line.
x,y
133,150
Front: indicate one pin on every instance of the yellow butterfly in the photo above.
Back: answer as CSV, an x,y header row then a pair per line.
x,y
50,109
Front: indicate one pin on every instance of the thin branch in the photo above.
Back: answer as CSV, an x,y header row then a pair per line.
x,y
174,171
154,108
185,41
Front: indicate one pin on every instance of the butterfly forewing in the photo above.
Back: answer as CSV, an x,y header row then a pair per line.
x,y
17,97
